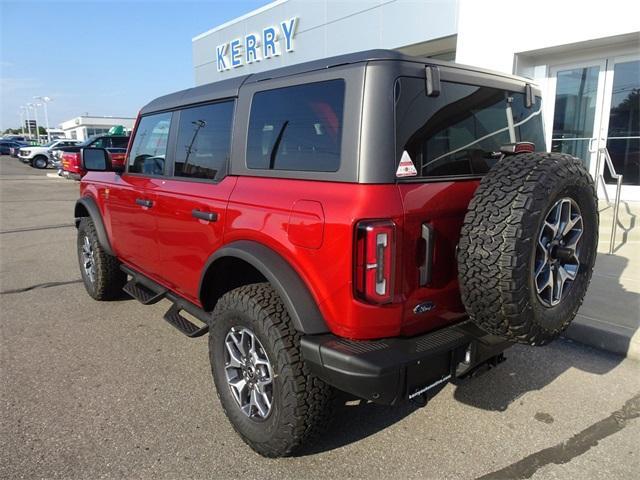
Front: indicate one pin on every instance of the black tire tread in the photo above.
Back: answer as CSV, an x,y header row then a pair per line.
x,y
306,400
109,277
494,252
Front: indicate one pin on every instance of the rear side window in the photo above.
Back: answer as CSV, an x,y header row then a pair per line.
x,y
101,142
149,149
119,142
204,141
297,128
460,132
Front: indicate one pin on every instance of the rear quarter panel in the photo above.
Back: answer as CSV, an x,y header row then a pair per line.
x,y
260,209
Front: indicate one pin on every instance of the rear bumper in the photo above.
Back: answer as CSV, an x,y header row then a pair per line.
x,y
390,370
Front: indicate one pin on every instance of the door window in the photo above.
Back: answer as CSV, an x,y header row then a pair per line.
x,y
102,142
119,142
149,149
204,141
575,110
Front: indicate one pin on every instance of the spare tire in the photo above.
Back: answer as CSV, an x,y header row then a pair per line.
x,y
528,246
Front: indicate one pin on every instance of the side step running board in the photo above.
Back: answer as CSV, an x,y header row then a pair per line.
x,y
142,293
185,326
148,292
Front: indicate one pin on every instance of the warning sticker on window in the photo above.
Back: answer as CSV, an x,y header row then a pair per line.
x,y
406,167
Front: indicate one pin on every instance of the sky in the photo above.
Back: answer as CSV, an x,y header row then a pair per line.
x,y
98,56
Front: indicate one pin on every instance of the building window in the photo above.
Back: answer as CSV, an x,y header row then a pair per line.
x,y
93,131
297,128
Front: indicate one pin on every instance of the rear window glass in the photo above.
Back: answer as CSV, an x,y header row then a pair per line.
x,y
297,128
460,132
204,141
149,149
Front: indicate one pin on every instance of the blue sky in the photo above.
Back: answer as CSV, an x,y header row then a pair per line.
x,y
101,57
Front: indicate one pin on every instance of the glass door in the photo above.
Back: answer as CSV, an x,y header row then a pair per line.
x,y
577,112
596,104
621,122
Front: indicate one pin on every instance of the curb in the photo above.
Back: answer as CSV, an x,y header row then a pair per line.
x,y
604,336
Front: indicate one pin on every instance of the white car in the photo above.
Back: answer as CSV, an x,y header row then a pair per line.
x,y
41,156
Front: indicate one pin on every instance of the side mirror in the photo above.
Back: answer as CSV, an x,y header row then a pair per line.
x,y
95,159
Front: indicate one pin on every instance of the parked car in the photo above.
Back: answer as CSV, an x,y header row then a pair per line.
x,y
41,156
383,224
67,159
7,145
15,150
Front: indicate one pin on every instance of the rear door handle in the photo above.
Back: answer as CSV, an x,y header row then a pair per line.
x,y
143,202
207,216
426,267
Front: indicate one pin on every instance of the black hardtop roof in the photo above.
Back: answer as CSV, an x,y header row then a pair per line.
x,y
230,87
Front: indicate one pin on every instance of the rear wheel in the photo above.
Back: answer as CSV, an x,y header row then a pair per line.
x,y
528,246
100,271
266,390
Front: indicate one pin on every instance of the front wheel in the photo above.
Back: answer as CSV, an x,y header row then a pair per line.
x,y
266,390
100,271
40,162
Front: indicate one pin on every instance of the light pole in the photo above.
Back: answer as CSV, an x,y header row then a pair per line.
x,y
21,113
35,112
45,100
26,109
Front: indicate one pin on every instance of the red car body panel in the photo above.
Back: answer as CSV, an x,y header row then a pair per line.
x,y
309,224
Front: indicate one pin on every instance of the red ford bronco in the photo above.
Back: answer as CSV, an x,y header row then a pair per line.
x,y
372,223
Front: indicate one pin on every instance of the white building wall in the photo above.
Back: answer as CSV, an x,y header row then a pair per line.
x,y
492,32
327,28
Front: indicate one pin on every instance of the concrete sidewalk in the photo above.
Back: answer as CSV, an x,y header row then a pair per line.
x,y
610,316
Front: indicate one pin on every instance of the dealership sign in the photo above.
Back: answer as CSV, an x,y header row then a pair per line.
x,y
271,42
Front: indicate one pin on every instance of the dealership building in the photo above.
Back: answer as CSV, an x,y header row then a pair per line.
x,y
85,126
584,55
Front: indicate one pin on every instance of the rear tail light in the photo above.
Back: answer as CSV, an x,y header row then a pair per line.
x,y
375,260
520,147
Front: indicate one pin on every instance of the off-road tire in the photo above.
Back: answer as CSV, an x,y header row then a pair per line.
x,y
302,403
496,252
109,279
36,164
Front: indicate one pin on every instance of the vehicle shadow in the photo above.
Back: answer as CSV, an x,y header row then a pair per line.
x,y
621,241
354,420
530,369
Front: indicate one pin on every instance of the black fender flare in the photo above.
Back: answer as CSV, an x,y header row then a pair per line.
x,y
89,204
295,295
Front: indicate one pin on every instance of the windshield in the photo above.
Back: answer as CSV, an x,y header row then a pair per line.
x,y
50,144
461,131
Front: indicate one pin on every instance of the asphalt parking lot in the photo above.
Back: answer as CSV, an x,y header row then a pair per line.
x,y
109,390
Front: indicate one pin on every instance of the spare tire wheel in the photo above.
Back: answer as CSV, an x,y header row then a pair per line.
x,y
528,246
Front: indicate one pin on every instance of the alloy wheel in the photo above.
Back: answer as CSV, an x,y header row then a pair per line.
x,y
557,258
88,261
249,373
